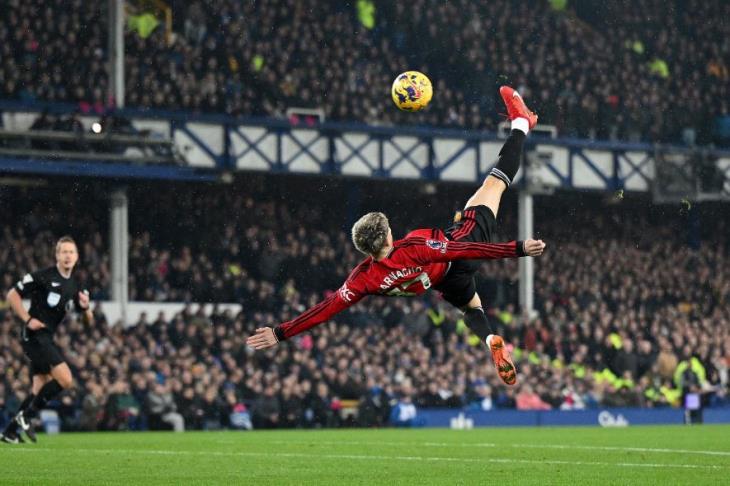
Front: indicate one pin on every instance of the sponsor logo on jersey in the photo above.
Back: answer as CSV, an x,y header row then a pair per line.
x,y
55,284
53,299
346,294
436,245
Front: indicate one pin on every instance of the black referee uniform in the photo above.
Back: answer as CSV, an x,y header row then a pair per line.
x,y
51,296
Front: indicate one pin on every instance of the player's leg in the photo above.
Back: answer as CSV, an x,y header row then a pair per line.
x,y
52,376
39,380
475,318
60,378
477,321
27,411
61,373
502,175
10,433
40,372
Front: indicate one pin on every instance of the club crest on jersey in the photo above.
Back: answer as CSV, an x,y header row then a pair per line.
x,y
436,245
53,299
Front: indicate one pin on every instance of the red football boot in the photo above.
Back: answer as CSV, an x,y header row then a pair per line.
x,y
516,107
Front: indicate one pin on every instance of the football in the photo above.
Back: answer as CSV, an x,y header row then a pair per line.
x,y
411,91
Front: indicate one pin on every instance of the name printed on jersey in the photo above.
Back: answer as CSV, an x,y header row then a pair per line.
x,y
392,277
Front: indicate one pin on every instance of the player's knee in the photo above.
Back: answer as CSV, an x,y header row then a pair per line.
x,y
64,378
66,382
474,303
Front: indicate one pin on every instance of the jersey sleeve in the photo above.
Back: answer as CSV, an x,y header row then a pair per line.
x,y
347,295
430,251
28,284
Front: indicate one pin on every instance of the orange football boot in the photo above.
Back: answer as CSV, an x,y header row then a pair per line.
x,y
502,360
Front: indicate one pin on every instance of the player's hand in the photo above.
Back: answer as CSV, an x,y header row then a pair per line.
x,y
34,324
84,300
264,338
534,247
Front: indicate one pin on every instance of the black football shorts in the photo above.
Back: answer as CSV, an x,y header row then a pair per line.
x,y
41,351
474,224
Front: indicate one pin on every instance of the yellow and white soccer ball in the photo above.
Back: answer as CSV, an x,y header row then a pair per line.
x,y
411,91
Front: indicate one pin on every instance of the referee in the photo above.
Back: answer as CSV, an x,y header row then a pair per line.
x,y
53,292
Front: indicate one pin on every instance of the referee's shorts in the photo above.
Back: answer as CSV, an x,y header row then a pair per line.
x,y
42,352
475,224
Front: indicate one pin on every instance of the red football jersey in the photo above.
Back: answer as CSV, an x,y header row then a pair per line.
x,y
415,264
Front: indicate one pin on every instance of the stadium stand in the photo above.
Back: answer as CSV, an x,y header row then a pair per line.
x,y
616,324
595,70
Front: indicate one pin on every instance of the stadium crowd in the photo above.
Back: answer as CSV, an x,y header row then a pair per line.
x,y
593,69
628,313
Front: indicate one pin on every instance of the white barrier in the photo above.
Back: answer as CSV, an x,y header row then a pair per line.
x,y
113,312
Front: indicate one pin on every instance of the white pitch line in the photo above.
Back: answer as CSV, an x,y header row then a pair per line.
x,y
367,457
517,446
625,449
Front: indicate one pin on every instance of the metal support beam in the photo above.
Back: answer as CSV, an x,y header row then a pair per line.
x,y
527,269
119,239
116,52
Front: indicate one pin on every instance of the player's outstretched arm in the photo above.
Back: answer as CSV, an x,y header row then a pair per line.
x,y
264,338
267,337
533,248
447,251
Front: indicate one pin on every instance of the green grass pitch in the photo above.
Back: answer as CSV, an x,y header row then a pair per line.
x,y
576,456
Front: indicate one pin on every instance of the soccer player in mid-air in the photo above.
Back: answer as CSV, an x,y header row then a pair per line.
x,y
53,292
432,258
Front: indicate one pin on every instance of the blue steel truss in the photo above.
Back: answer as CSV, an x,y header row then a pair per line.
x,y
223,144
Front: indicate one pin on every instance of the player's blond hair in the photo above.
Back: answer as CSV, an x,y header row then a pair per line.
x,y
64,239
370,233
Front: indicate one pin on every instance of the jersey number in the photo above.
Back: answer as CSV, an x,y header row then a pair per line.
x,y
402,289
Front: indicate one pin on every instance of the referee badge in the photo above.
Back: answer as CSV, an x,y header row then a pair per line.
x,y
53,299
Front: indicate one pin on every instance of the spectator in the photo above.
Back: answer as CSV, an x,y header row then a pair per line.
x,y
162,408
246,59
266,410
652,291
404,413
92,408
527,399
122,410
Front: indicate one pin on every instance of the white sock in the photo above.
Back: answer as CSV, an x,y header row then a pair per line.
x,y
521,124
